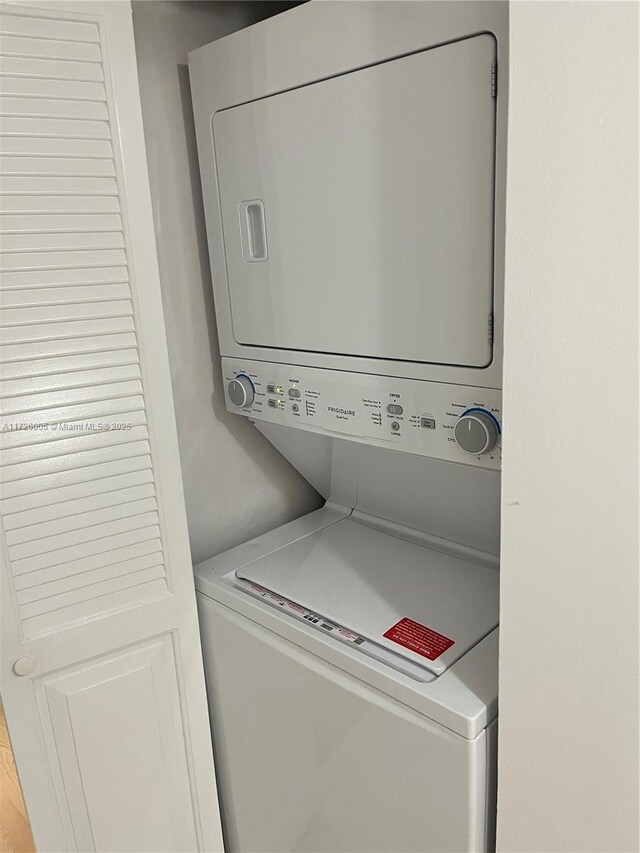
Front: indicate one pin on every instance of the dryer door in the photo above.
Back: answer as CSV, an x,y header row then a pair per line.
x,y
358,211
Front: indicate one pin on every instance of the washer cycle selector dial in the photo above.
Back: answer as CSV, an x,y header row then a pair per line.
x,y
476,432
241,391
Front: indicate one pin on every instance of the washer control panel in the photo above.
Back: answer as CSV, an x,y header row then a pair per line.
x,y
457,423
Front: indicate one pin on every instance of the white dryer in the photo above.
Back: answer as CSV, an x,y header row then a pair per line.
x,y
353,685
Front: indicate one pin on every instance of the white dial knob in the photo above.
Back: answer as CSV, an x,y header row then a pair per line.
x,y
476,432
241,391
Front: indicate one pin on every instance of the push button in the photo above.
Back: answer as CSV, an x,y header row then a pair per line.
x,y
428,423
395,426
394,409
294,393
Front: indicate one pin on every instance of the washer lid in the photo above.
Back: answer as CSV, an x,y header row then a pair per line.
x,y
425,605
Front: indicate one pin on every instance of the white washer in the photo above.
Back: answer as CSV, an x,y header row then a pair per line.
x,y
352,677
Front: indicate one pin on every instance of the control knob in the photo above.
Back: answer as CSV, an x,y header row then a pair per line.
x,y
476,432
241,391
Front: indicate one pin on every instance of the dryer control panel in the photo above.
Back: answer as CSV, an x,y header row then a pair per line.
x,y
456,423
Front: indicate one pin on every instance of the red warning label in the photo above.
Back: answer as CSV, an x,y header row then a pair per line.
x,y
418,638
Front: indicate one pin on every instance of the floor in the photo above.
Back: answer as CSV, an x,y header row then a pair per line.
x,y
15,832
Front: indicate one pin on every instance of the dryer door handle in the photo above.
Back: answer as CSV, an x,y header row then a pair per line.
x,y
253,232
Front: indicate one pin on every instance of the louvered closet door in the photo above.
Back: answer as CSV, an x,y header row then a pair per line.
x,y
101,665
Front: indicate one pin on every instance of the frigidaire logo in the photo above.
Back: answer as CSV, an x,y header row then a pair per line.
x,y
341,411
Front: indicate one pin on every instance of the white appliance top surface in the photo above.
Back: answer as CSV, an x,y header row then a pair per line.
x,y
425,605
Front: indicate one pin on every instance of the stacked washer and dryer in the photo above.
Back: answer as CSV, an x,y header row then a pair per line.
x,y
352,157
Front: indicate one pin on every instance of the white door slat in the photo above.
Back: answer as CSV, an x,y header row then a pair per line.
x,y
64,295
54,453
61,331
85,549
27,25
79,521
33,185
79,528
48,492
75,508
62,127
50,49
79,613
66,436
31,223
101,410
44,367
49,433
150,549
91,592
79,311
67,346
59,204
39,87
51,146
84,579
57,69
73,379
65,276
70,241
71,396
85,459
62,260
58,166
46,425
67,440
39,107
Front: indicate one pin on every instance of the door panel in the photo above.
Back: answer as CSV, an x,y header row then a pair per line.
x,y
96,715
372,193
102,680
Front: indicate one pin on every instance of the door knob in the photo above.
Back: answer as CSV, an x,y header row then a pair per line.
x,y
24,665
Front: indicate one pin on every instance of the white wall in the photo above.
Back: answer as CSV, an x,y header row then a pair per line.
x,y
236,485
569,612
